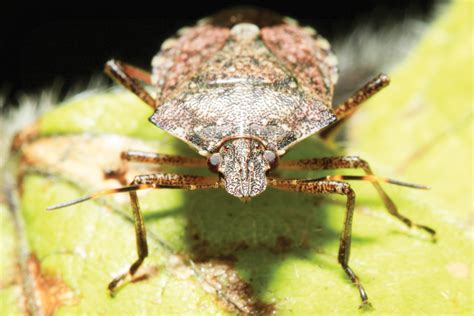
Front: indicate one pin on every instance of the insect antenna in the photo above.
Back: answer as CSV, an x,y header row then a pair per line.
x,y
371,178
101,193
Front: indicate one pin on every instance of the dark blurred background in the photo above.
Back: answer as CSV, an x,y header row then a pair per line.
x,y
42,45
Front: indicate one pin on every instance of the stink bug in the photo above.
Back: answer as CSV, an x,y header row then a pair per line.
x,y
242,87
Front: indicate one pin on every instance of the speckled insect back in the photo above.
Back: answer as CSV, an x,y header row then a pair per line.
x,y
241,87
271,82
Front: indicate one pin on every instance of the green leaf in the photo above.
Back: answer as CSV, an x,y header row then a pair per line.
x,y
10,289
276,253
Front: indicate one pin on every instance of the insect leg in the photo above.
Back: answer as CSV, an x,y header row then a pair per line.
x,y
135,72
353,162
332,187
153,158
129,77
158,181
151,181
345,110
147,157
140,235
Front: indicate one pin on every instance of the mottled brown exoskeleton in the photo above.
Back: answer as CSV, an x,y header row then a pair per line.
x,y
241,88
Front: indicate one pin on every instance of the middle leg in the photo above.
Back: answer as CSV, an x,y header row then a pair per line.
x,y
152,158
354,162
147,157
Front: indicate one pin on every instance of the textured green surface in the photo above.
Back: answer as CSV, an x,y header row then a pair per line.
x,y
424,132
283,244
10,290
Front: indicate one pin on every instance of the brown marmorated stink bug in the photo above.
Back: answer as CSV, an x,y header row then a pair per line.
x,y
242,87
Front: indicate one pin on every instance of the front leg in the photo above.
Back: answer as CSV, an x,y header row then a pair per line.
x,y
140,234
332,187
151,181
353,162
159,180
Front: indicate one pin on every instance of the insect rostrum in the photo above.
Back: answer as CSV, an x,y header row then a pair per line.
x,y
242,87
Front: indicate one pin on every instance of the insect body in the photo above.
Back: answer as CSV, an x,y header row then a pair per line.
x,y
241,88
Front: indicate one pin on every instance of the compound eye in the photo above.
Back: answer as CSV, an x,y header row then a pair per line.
x,y
270,157
214,161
